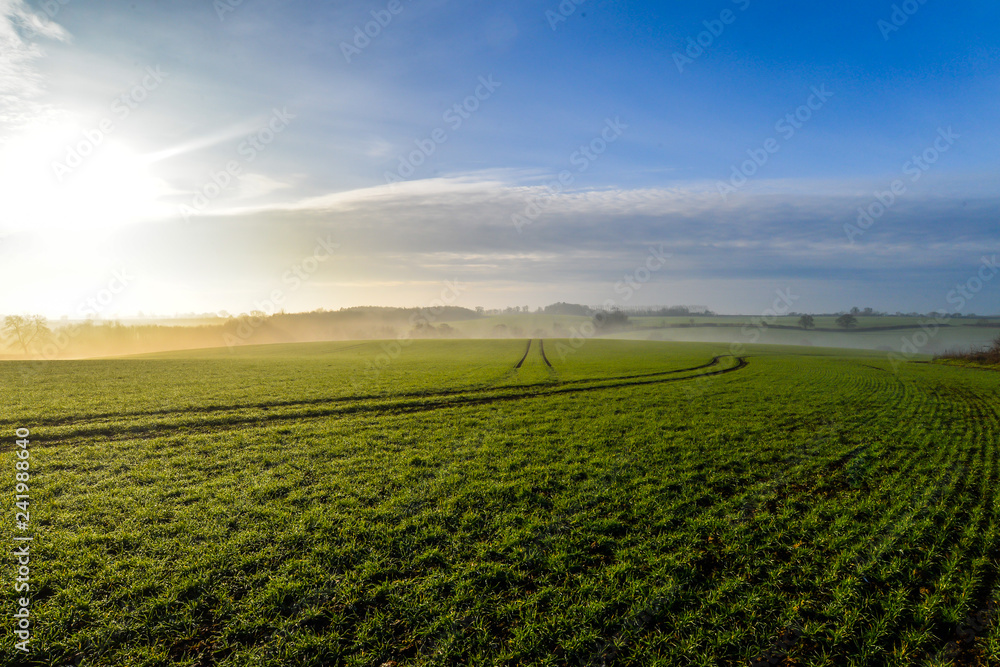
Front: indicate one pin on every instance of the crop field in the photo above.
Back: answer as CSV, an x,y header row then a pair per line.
x,y
820,321
528,322
885,334
497,502
900,341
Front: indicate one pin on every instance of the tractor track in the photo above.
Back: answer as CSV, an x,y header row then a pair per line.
x,y
391,405
526,351
541,347
82,420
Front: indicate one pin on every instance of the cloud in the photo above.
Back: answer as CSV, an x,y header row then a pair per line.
x,y
464,224
253,186
20,83
379,148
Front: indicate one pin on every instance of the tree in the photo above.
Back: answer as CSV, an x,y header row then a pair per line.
x,y
847,321
28,331
563,308
613,319
807,322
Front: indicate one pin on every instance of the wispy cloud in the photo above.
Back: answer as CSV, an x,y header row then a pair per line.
x,y
465,222
207,141
20,83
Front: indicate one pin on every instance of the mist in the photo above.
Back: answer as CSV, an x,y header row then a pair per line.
x,y
36,339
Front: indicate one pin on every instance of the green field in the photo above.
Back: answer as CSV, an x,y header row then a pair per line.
x,y
820,321
944,339
633,503
883,334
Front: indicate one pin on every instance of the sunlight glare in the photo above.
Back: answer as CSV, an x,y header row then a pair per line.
x,y
110,188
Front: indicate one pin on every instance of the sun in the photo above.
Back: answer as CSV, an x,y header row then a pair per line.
x,y
57,178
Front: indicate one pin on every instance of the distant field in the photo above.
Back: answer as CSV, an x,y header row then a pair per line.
x,y
527,323
538,320
628,502
822,322
885,334
891,340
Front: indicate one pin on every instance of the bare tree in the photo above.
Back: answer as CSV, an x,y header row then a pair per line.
x,y
28,331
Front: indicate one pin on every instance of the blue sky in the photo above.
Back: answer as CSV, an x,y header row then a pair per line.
x,y
747,163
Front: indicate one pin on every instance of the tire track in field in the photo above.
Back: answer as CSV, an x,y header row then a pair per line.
x,y
548,364
541,347
119,431
526,351
82,420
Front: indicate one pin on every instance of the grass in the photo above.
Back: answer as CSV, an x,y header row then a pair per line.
x,y
636,503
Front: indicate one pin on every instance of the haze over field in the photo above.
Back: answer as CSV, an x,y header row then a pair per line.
x,y
200,157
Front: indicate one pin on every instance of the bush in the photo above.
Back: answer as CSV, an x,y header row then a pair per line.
x,y
989,355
